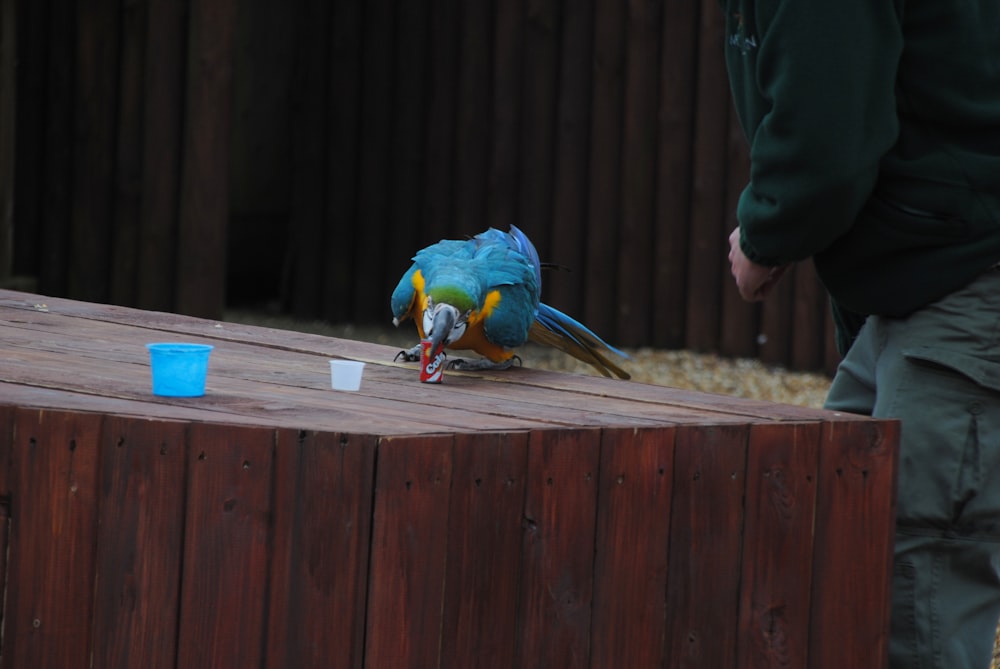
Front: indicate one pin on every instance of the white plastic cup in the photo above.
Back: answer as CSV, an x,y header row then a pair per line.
x,y
178,369
346,374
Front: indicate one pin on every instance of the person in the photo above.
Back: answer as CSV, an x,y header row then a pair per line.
x,y
874,143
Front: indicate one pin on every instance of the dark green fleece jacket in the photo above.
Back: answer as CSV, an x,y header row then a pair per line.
x,y
874,131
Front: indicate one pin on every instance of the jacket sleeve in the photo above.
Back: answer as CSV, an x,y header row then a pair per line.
x,y
823,78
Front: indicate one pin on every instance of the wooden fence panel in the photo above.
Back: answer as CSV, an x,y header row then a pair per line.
x,y
139,543
603,129
47,622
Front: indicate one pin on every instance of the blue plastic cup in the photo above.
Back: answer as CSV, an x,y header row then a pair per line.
x,y
179,370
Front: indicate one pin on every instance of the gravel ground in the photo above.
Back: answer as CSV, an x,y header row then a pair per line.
x,y
678,369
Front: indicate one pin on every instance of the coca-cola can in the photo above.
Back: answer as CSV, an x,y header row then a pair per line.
x,y
431,370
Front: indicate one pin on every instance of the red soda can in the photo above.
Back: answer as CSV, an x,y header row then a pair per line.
x,y
431,371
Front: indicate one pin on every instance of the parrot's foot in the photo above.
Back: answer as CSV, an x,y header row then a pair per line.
x,y
483,364
409,355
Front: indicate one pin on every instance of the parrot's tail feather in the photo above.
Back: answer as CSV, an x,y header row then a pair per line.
x,y
556,329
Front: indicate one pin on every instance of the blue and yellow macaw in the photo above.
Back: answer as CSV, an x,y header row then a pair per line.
x,y
483,294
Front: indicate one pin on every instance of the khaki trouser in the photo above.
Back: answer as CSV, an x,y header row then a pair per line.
x,y
938,372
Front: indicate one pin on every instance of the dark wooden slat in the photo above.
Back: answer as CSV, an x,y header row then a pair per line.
x,y
778,545
635,253
540,78
6,448
556,588
204,192
127,194
604,203
371,293
706,259
857,477
633,530
472,120
166,34
706,524
444,34
509,72
673,185
344,92
809,319
93,150
310,113
564,289
8,111
139,543
484,548
224,585
405,594
322,525
48,620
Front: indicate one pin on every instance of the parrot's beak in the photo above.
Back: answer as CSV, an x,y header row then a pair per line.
x,y
443,324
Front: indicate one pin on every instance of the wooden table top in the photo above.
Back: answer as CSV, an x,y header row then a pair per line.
x,y
70,355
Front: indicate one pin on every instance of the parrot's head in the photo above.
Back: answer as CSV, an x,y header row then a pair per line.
x,y
446,318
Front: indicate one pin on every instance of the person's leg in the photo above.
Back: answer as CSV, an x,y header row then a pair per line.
x,y
938,372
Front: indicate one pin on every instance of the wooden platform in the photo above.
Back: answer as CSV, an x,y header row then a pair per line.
x,y
515,519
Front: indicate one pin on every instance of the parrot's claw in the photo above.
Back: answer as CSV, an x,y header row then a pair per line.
x,y
409,355
483,364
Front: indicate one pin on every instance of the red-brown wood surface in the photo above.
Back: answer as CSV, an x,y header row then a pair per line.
x,y
706,521
852,560
322,526
484,550
777,546
409,552
499,519
556,588
48,614
226,547
139,543
633,536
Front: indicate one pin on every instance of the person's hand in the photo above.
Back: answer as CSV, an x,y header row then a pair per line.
x,y
754,281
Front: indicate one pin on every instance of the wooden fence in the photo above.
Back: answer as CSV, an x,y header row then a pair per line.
x,y
182,155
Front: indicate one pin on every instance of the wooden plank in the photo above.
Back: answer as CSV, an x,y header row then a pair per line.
x,y
557,568
635,229
536,145
673,187
204,187
162,123
472,120
706,527
95,108
809,320
342,153
375,161
564,289
604,203
224,584
139,543
8,111
437,214
782,466
633,531
510,69
306,257
706,250
484,547
321,537
48,619
6,448
855,519
126,197
409,552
